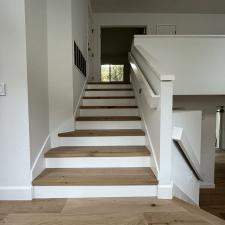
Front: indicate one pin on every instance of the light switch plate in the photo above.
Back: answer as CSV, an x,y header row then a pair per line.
x,y
2,89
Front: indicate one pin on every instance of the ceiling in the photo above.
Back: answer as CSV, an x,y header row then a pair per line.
x,y
159,6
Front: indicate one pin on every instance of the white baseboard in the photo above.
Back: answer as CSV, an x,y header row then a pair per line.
x,y
178,193
165,191
76,111
39,164
207,186
15,193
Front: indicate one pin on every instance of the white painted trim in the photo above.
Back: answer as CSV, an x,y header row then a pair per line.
x,y
66,126
181,195
94,191
145,56
89,125
179,36
15,193
165,191
155,166
39,163
109,112
99,162
207,185
80,99
109,102
153,99
107,93
102,141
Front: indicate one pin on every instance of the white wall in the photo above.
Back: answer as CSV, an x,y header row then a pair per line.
x,y
37,68
185,24
186,185
60,75
14,118
80,35
207,104
196,61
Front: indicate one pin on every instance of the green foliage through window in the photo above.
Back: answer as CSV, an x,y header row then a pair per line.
x,y
112,73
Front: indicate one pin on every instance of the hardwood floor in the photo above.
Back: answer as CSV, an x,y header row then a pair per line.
x,y
213,200
96,177
103,133
108,118
97,151
104,211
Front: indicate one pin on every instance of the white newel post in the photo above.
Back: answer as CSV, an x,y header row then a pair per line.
x,y
166,110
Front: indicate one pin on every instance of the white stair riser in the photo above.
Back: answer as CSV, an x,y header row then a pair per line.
x,y
108,86
108,93
95,125
98,162
109,112
94,191
102,141
109,102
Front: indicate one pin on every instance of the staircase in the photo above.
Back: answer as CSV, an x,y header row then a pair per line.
x,y
105,156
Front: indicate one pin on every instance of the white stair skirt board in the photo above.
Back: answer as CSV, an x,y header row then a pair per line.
x,y
109,102
94,191
102,141
98,162
95,125
108,93
108,86
109,112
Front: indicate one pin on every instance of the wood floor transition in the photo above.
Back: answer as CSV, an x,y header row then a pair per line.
x,y
104,211
213,200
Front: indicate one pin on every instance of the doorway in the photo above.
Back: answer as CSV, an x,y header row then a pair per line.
x,y
115,44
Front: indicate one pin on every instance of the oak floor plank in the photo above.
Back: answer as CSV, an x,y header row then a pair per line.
x,y
108,107
105,83
103,133
35,206
98,151
108,97
115,211
110,89
96,177
102,206
108,118
213,200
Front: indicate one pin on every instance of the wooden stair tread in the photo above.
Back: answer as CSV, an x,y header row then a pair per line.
x,y
112,89
108,107
103,133
96,177
105,83
108,118
98,151
108,97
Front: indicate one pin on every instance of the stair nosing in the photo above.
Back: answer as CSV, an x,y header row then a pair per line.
x,y
108,118
104,133
96,177
97,152
109,97
108,89
108,107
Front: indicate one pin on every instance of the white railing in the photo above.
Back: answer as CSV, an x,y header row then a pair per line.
x,y
154,93
153,99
